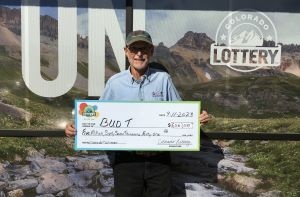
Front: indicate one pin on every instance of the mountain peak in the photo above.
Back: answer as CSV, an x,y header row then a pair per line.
x,y
195,40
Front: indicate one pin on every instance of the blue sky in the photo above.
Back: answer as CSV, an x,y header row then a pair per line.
x,y
169,26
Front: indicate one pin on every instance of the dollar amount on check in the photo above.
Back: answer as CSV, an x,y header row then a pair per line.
x,y
165,126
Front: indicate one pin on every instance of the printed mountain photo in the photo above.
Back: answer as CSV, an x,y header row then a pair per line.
x,y
20,108
266,100
264,93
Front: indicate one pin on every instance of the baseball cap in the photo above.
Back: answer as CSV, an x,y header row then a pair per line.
x,y
138,35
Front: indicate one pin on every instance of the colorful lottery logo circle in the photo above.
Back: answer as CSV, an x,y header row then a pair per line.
x,y
88,110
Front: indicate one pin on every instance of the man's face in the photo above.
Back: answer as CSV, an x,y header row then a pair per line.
x,y
138,54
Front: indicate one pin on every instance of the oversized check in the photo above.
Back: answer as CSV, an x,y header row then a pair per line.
x,y
157,126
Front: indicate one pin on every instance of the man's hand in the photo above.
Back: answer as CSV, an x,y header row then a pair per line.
x,y
70,130
204,117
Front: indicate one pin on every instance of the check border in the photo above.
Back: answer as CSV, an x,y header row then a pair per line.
x,y
138,149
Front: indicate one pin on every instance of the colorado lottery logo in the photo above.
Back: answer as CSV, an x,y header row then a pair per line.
x,y
88,110
246,41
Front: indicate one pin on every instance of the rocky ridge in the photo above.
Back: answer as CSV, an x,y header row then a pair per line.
x,y
213,171
41,175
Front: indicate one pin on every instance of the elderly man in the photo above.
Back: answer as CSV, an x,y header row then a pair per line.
x,y
140,173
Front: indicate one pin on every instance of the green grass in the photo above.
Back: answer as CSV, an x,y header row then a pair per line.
x,y
112,67
44,62
10,69
277,164
246,125
11,146
46,112
248,96
3,50
82,68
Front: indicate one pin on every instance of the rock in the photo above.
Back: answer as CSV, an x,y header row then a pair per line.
x,y
46,195
60,194
271,194
226,151
15,112
4,176
105,189
229,155
2,169
223,143
247,141
83,178
180,179
5,164
2,194
42,171
53,182
20,172
22,184
60,159
100,157
220,177
49,164
88,164
18,158
264,142
83,192
84,152
43,151
225,166
33,154
71,169
243,183
2,185
71,159
106,181
205,190
106,172
15,193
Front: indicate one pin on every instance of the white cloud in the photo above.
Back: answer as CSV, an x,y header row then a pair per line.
x,y
176,23
287,25
82,20
168,26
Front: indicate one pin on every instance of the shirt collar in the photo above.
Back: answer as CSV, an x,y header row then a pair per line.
x,y
143,78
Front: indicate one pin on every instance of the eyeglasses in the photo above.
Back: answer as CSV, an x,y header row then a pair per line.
x,y
134,49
